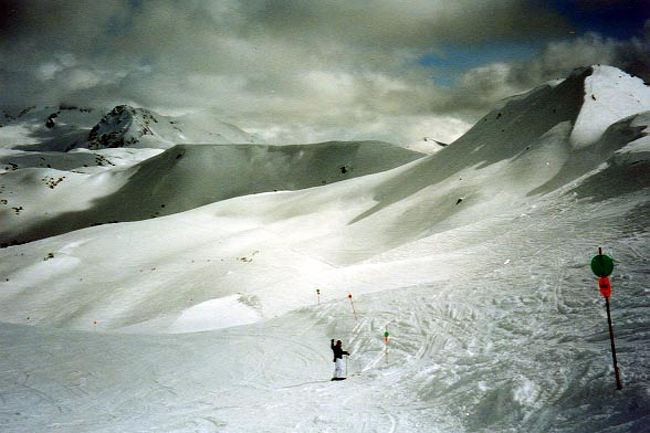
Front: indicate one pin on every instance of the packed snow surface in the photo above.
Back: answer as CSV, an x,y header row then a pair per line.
x,y
475,259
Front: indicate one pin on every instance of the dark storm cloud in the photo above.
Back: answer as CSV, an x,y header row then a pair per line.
x,y
10,11
401,24
321,65
280,36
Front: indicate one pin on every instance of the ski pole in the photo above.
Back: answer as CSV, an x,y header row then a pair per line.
x,y
346,365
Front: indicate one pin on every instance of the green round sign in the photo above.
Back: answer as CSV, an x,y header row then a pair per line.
x,y
602,265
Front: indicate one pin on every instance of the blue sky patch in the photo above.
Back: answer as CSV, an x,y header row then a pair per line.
x,y
453,59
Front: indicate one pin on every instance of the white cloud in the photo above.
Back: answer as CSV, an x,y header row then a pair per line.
x,y
330,87
487,84
48,70
82,79
67,60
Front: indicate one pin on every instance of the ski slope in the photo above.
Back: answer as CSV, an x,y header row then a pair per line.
x,y
476,259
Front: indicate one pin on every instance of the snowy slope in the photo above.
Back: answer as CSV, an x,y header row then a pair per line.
x,y
475,258
45,202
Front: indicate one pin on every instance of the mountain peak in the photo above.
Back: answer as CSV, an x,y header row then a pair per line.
x,y
122,126
610,95
591,99
128,126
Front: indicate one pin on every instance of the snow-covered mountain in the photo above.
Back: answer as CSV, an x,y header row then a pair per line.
x,y
475,258
126,126
67,127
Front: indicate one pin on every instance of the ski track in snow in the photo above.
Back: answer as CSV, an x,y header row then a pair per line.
x,y
452,363
502,331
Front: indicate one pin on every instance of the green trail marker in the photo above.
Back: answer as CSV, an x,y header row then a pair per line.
x,y
602,266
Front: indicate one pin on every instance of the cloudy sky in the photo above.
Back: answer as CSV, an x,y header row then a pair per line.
x,y
312,70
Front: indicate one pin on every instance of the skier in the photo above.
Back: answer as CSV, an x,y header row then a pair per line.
x,y
338,359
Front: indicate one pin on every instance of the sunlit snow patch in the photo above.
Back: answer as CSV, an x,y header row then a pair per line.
x,y
215,314
607,84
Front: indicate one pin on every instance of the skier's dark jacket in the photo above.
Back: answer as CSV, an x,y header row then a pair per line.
x,y
338,351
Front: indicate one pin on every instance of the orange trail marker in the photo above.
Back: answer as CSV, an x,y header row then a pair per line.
x,y
352,303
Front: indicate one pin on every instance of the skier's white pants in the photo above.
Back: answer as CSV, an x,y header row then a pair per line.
x,y
339,368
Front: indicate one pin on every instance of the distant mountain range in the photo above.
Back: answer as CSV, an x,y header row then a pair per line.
x,y
68,127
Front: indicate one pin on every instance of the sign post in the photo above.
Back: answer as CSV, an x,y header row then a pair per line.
x,y
602,266
318,295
